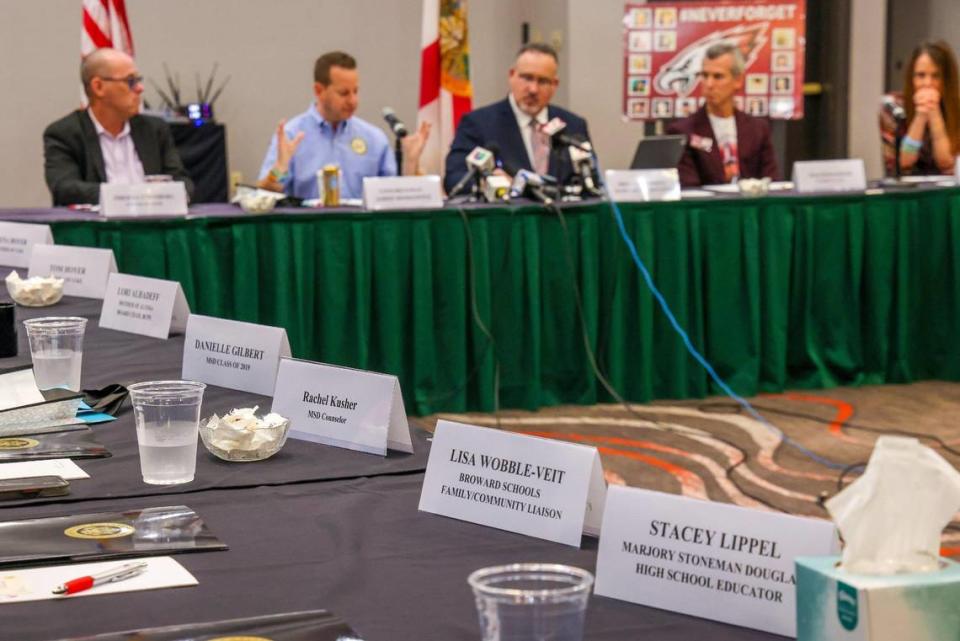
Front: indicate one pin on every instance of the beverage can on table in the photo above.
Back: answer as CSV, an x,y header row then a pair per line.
x,y
331,186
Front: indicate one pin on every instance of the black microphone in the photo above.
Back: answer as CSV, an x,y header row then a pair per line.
x,y
396,126
502,163
895,110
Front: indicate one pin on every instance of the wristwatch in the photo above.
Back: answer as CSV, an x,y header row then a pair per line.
x,y
279,176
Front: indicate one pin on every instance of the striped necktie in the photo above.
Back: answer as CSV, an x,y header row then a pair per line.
x,y
540,145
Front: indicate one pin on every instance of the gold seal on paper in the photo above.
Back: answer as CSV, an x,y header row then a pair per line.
x,y
18,443
99,531
359,145
241,639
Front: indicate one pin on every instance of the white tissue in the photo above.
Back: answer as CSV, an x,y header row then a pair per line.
x,y
242,431
34,292
891,518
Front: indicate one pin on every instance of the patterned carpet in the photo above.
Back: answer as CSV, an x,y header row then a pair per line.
x,y
710,449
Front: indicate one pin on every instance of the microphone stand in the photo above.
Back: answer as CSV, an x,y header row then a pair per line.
x,y
398,153
898,134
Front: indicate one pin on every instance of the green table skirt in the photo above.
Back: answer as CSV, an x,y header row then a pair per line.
x,y
776,293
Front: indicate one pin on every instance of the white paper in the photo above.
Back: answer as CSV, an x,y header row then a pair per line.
x,y
848,174
62,467
643,185
37,584
526,484
233,354
17,241
84,270
19,388
402,192
711,560
143,199
146,306
343,407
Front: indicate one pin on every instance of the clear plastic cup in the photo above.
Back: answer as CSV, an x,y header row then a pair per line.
x,y
56,347
531,601
167,414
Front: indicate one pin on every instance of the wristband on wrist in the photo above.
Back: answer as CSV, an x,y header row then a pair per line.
x,y
279,176
911,145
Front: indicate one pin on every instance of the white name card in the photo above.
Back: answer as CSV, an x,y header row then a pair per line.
x,y
829,175
535,486
146,306
233,354
643,185
143,199
84,270
343,407
711,560
402,192
17,241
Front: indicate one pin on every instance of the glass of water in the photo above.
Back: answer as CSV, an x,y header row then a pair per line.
x,y
167,414
56,346
531,601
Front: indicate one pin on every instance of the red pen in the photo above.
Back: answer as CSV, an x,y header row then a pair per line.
x,y
126,571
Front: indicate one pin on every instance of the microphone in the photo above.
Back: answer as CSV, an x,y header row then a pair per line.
x,y
891,107
480,162
555,128
396,126
530,183
581,156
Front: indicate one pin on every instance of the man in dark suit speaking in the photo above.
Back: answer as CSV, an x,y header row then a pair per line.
x,y
515,125
723,143
109,141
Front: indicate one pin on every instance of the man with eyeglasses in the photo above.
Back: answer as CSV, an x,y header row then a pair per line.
x,y
723,143
109,141
515,124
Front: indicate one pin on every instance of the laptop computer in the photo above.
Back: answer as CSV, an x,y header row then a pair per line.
x,y
658,152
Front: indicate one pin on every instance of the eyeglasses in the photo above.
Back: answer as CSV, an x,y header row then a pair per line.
x,y
541,82
132,81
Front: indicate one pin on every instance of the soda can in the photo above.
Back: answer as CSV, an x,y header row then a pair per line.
x,y
331,186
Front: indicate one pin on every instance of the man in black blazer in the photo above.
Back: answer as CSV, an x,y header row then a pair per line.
x,y
513,125
109,141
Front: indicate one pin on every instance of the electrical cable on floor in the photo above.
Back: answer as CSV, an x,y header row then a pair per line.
x,y
648,279
591,358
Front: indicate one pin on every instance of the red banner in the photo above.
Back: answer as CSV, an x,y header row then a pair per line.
x,y
664,44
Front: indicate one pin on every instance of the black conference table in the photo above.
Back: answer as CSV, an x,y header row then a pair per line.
x,y
313,527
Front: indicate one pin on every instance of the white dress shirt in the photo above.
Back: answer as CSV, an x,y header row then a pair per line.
x,y
523,121
120,159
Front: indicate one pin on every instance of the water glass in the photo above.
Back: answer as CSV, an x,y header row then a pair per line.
x,y
167,414
531,601
56,347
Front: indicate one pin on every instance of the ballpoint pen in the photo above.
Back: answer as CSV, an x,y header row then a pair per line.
x,y
126,571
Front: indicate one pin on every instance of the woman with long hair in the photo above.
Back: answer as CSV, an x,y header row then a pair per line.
x,y
931,100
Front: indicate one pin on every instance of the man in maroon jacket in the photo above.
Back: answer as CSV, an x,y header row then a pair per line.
x,y
723,143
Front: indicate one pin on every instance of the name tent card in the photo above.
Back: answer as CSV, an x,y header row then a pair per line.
x,y
233,354
343,407
402,192
643,185
146,306
711,560
829,175
143,199
84,270
17,241
535,486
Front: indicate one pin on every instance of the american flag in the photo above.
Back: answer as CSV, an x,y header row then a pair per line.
x,y
446,93
105,25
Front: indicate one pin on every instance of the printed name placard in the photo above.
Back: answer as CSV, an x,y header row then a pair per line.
x,y
343,407
146,306
643,185
535,486
711,560
143,199
17,241
233,354
402,192
829,175
84,270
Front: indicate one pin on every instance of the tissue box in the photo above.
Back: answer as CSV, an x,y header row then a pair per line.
x,y
833,604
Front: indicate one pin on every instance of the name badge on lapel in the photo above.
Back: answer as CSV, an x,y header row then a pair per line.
x,y
701,142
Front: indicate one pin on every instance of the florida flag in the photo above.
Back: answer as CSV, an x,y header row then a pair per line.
x,y
105,25
445,90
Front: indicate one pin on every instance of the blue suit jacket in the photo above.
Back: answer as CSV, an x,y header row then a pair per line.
x,y
497,124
